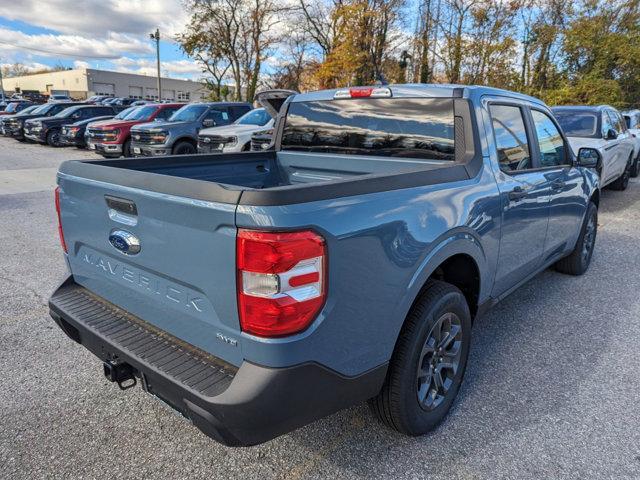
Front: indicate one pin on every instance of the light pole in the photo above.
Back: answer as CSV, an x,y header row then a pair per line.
x,y
156,36
1,86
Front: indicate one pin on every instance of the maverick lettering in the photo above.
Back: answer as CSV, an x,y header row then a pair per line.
x,y
146,282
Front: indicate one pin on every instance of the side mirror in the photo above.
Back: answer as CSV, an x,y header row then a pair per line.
x,y
589,158
208,122
611,134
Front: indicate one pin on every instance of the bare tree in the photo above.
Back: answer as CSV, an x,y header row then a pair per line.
x,y
241,33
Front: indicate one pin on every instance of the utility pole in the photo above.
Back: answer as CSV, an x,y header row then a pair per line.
x,y
1,85
156,36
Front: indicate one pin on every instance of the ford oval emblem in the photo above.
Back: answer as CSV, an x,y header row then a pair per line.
x,y
125,241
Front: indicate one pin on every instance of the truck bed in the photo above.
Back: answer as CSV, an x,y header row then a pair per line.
x,y
268,178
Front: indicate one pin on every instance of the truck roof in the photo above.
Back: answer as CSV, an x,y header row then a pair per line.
x,y
584,108
425,90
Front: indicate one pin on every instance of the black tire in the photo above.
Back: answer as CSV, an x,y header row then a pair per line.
x,y
622,182
184,148
578,261
126,148
635,168
53,138
407,402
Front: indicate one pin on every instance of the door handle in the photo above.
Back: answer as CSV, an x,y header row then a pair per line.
x,y
558,184
517,193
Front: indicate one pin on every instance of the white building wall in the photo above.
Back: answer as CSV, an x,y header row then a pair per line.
x,y
82,83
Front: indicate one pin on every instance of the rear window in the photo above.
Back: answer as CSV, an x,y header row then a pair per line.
x,y
407,127
577,124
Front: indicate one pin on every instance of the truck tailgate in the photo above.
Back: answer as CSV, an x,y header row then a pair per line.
x,y
183,278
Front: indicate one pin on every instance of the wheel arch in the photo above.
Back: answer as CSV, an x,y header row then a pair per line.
x,y
184,139
460,260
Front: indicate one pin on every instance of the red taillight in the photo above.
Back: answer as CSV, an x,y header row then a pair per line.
x,y
60,233
281,281
363,92
360,92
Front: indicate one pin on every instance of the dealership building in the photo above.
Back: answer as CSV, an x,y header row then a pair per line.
x,y
82,83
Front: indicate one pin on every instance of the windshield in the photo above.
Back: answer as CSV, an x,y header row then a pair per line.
x,y
12,107
142,113
577,124
188,113
30,109
408,127
67,112
125,113
259,116
41,109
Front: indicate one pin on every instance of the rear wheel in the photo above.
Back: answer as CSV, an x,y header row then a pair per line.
x,y
429,361
184,148
578,261
622,182
53,138
635,169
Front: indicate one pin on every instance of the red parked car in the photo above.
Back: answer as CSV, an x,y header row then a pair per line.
x,y
112,139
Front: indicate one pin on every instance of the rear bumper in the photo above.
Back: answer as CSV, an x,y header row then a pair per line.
x,y
235,406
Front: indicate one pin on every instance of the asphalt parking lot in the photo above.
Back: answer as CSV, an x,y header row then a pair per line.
x,y
552,388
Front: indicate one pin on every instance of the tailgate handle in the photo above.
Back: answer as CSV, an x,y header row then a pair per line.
x,y
121,205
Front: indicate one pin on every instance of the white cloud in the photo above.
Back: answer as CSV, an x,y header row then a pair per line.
x,y
174,68
65,46
99,17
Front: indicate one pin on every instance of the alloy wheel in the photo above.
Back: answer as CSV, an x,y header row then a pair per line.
x,y
439,361
589,239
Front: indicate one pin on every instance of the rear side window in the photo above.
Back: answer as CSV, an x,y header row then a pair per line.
x,y
406,127
550,142
511,138
237,112
577,124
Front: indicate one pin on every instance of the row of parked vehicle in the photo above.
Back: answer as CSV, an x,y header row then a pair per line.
x,y
143,128
115,127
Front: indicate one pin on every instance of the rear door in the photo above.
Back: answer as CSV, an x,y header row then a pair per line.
x,y
524,192
566,201
183,278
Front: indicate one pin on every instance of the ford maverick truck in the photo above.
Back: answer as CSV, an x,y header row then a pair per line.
x,y
255,292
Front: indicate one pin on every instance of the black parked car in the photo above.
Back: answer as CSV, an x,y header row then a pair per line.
x,y
48,130
73,134
7,120
15,123
98,99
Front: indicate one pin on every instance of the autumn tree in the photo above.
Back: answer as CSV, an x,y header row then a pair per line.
x,y
234,34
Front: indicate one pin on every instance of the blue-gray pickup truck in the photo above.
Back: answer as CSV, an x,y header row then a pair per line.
x,y
256,292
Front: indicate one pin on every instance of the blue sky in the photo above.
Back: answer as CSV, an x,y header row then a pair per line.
x,y
112,35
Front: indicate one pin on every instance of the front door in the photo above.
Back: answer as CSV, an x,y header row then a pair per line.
x,y
524,194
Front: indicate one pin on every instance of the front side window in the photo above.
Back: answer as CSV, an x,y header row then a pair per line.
x,y
405,127
220,117
550,142
608,123
511,138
